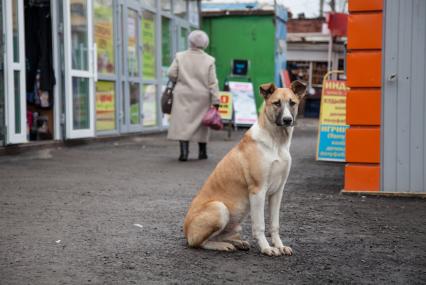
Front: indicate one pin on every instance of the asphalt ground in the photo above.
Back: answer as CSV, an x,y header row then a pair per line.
x,y
112,213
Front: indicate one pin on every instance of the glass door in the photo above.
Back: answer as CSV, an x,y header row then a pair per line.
x,y
131,51
14,58
79,69
149,68
2,78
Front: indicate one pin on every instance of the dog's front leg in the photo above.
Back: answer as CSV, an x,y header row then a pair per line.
x,y
274,214
257,213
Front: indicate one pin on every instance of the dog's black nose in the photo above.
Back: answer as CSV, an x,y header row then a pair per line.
x,y
287,121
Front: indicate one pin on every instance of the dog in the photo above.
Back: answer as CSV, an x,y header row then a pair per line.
x,y
253,171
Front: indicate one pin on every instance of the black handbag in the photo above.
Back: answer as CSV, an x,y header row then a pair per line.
x,y
167,98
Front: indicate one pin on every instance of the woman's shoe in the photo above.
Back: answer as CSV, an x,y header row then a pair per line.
x,y
184,150
203,151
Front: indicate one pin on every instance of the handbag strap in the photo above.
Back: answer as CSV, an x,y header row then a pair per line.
x,y
170,84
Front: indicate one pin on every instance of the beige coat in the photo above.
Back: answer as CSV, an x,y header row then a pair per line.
x,y
196,89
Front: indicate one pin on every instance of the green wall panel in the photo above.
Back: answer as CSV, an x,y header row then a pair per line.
x,y
243,37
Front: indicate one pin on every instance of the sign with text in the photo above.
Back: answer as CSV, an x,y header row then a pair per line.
x,y
244,103
105,106
225,107
104,35
332,123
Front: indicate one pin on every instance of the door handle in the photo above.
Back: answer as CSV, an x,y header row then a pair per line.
x,y
392,77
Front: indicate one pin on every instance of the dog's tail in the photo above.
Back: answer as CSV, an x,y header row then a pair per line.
x,y
204,224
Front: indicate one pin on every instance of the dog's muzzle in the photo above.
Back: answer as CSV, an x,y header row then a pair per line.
x,y
285,122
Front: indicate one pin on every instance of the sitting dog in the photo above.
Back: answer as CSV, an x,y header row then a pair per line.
x,y
253,171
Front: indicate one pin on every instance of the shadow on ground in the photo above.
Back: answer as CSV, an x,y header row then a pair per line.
x,y
68,215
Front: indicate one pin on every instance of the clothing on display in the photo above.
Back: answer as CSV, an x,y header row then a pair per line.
x,y
38,48
40,77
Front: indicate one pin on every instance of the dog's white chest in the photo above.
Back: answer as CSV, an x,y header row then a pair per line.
x,y
278,169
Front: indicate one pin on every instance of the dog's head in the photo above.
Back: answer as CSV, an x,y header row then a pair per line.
x,y
281,103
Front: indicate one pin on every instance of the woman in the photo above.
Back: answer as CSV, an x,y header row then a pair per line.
x,y
195,91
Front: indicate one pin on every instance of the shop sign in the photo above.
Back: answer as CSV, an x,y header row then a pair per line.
x,y
103,15
148,37
225,107
132,60
332,124
105,106
244,103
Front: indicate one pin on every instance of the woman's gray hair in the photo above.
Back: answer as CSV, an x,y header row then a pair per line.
x,y
198,39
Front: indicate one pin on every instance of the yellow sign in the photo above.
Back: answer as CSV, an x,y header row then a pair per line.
x,y
105,106
225,107
332,128
104,37
148,36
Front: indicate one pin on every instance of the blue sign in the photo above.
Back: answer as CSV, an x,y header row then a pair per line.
x,y
331,143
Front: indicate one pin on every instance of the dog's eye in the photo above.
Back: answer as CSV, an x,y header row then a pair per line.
x,y
292,103
277,103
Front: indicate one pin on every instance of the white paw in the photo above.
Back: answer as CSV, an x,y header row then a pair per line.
x,y
271,251
285,250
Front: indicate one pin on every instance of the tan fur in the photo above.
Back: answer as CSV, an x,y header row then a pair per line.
x,y
214,217
230,183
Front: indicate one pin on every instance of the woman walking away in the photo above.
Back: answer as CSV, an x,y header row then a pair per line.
x,y
196,89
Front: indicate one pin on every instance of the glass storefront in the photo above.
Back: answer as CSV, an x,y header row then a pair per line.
x,y
135,93
81,114
104,36
166,41
105,106
183,38
148,39
150,105
79,30
111,62
16,80
15,28
103,20
132,38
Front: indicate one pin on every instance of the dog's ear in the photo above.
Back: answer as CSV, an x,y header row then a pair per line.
x,y
267,89
298,88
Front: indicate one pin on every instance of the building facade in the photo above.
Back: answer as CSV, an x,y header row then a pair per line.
x,y
385,143
252,33
310,57
75,69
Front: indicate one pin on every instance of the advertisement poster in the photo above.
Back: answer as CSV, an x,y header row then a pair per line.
x,y
105,106
132,59
148,38
244,103
166,40
149,106
332,124
225,107
104,35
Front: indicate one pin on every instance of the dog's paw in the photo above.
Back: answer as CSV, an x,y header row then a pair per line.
x,y
285,250
271,251
241,244
228,247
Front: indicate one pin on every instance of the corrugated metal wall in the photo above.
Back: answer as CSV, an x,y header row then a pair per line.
x,y
404,97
